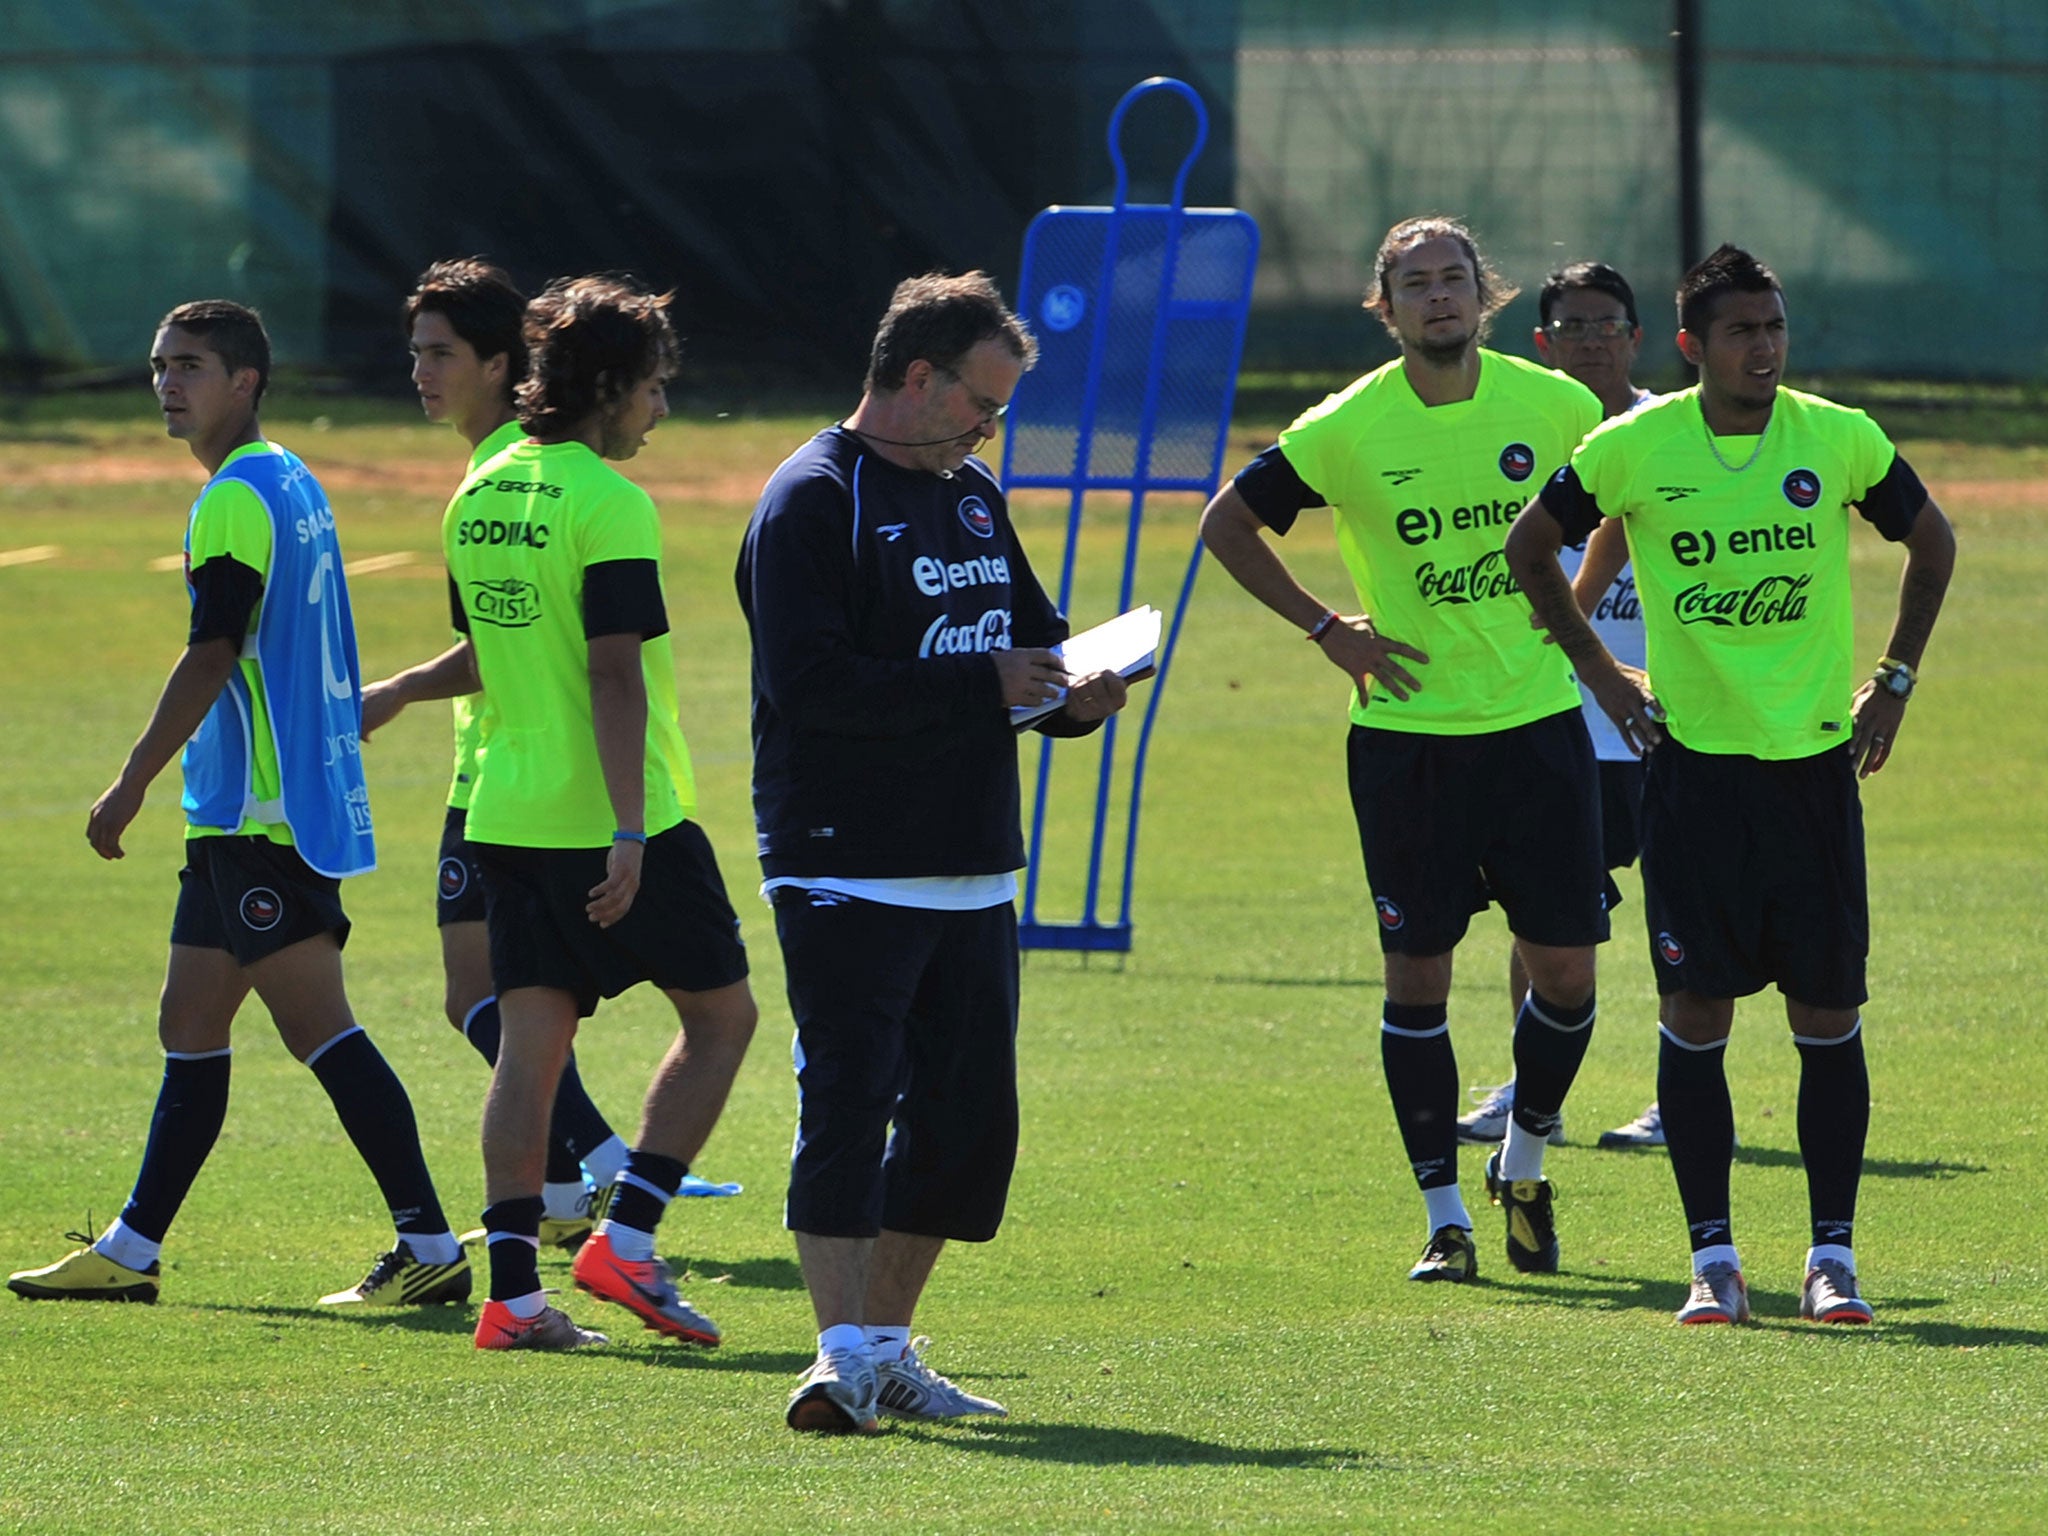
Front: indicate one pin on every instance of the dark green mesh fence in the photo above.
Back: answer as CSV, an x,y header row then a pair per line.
x,y
782,162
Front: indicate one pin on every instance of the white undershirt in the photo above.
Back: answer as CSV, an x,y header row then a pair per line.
x,y
933,893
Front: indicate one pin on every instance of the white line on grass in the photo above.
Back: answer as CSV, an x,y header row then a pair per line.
x,y
374,563
30,555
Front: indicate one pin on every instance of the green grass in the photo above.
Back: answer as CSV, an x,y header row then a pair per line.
x,y
1196,1311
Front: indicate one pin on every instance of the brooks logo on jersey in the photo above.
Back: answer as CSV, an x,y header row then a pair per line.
x,y
1399,476
508,604
1418,525
1487,577
991,632
935,578
1773,600
518,488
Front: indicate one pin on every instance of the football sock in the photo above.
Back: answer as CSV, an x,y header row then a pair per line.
x,y
565,1201
127,1247
1819,1253
1834,1120
480,1029
1446,1207
372,1106
645,1186
1422,1080
1715,1253
191,1104
512,1238
563,1165
606,1161
1699,1125
1550,1042
843,1337
886,1343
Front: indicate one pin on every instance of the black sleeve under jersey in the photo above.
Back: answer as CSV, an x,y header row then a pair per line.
x,y
456,615
225,593
1275,493
1566,498
1892,505
623,597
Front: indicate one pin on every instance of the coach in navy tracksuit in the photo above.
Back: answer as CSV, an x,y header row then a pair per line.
x,y
895,622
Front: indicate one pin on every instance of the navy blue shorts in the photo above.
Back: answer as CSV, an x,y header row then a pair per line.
x,y
1621,813
680,933
1449,823
252,898
459,882
908,1016
1753,873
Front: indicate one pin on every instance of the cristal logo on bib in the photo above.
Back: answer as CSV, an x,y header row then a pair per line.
x,y
1802,488
979,520
262,909
508,604
1518,461
1669,950
454,878
1391,916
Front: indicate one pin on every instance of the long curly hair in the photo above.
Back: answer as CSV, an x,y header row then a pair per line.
x,y
589,341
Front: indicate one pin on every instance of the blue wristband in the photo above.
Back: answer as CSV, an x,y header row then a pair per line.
x,y
623,836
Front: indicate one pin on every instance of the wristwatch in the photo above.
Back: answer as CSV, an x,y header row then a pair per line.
x,y
1895,678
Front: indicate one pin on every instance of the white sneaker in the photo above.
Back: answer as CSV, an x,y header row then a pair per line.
x,y
1646,1130
836,1396
1830,1295
910,1389
1718,1296
1487,1125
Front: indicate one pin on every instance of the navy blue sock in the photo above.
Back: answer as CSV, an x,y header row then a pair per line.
x,y
1422,1080
373,1109
578,1127
1699,1125
647,1184
191,1104
481,1029
1550,1042
1834,1120
512,1238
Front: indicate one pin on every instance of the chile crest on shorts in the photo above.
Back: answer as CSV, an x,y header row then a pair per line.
x,y
1669,950
1518,461
454,878
1802,488
1391,915
262,909
980,522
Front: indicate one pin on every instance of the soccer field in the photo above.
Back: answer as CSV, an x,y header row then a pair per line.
x,y
1197,1312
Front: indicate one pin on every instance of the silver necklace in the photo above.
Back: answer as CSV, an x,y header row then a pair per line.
x,y
1715,449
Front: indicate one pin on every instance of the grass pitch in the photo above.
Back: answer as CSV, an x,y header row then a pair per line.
x,y
1197,1312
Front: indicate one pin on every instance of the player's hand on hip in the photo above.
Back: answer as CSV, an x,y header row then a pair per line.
x,y
1029,677
613,899
1623,693
1363,652
110,816
1878,717
1097,697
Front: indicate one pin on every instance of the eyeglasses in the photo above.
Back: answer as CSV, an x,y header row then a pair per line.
x,y
1579,330
985,409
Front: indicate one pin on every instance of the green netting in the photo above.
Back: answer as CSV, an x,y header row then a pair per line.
x,y
783,161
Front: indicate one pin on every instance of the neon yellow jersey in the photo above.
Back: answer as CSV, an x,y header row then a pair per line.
x,y
518,537
230,519
1742,565
469,708
1423,497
